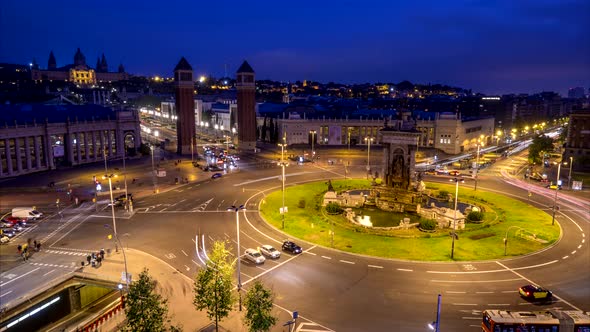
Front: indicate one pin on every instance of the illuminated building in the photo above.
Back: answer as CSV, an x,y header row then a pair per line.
x,y
79,72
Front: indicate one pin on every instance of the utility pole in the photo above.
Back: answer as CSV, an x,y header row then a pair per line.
x,y
283,164
556,190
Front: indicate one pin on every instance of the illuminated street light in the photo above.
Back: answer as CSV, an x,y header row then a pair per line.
x,y
237,210
557,182
110,176
283,164
124,256
454,234
479,143
312,132
569,177
368,140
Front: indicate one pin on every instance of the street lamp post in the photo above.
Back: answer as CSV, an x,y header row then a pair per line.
x,y
556,190
124,256
125,177
569,178
477,164
154,178
312,132
368,140
109,177
283,164
454,234
235,209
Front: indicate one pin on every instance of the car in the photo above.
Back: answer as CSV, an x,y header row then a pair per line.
x,y
430,172
4,239
254,256
553,186
269,251
291,247
122,197
455,173
13,220
535,293
216,176
8,232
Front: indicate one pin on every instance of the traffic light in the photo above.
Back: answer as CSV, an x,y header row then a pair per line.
x,y
110,237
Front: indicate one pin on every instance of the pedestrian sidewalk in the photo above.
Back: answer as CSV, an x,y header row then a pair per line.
x,y
172,285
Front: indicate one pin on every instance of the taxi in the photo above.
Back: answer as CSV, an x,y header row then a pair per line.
x,y
535,293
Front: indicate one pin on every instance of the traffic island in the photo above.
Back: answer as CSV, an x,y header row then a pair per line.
x,y
508,226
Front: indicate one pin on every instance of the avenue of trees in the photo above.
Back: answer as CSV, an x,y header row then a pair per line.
x,y
214,293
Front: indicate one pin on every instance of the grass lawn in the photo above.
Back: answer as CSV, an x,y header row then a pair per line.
x,y
307,220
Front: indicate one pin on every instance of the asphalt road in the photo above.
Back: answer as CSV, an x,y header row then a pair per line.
x,y
331,290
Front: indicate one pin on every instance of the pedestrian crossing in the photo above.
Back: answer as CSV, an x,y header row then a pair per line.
x,y
67,252
63,266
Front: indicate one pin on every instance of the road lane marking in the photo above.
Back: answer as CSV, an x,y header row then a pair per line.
x,y
498,304
509,291
405,270
534,283
326,257
187,268
184,253
11,280
311,253
484,292
494,271
455,292
465,304
564,257
347,262
474,318
580,246
474,281
573,252
6,293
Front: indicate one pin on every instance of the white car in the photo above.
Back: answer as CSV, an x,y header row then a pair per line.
x,y
269,251
254,256
4,239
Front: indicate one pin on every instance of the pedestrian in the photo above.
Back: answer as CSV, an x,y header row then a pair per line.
x,y
88,258
39,246
101,253
35,244
19,248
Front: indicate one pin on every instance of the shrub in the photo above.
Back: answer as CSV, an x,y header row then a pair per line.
x,y
301,204
443,194
475,216
427,224
333,208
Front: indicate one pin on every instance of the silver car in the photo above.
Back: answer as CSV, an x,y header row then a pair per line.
x,y
254,256
269,251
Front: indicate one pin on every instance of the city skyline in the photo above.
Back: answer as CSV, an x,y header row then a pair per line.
x,y
526,47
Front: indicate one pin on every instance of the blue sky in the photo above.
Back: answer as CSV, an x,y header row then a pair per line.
x,y
489,46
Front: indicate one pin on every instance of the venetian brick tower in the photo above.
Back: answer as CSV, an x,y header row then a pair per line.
x,y
185,106
246,107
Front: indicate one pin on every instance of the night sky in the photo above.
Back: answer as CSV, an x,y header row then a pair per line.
x,y
504,46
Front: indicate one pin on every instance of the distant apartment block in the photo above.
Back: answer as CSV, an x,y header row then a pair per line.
x,y
577,143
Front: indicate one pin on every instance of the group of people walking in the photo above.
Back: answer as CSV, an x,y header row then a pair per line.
x,y
95,259
23,249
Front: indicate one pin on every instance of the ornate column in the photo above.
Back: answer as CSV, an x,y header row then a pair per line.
x,y
28,153
101,137
18,155
110,142
37,152
8,156
94,147
87,146
78,154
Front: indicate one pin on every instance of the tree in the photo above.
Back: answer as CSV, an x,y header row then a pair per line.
x,y
540,144
213,285
145,309
259,306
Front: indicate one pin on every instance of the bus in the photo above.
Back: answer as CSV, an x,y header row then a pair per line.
x,y
535,321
